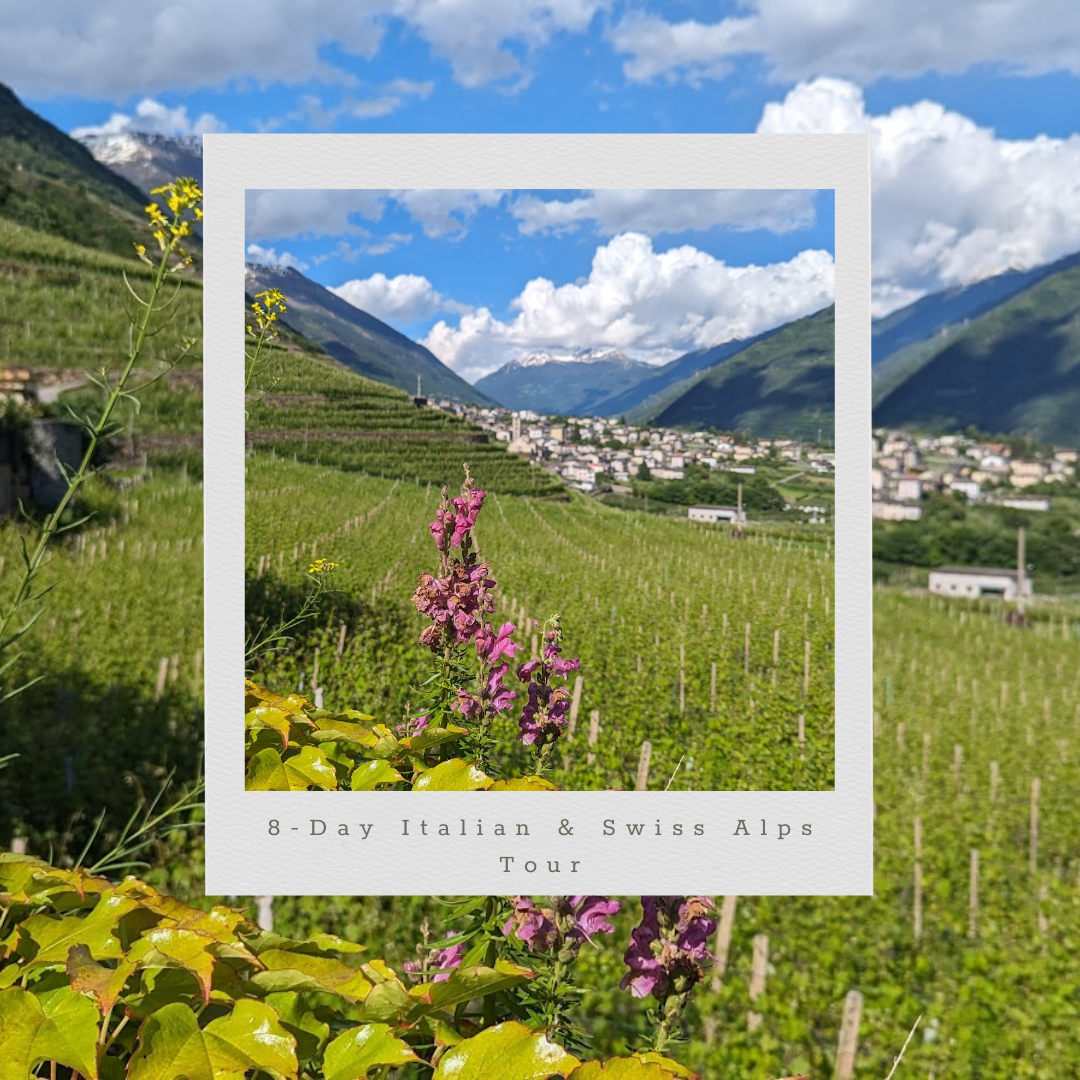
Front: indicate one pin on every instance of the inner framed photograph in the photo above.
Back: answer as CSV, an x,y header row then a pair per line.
x,y
550,453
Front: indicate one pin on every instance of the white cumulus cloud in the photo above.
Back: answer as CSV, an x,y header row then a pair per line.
x,y
863,40
653,212
270,257
654,305
155,118
124,47
952,202
274,214
402,299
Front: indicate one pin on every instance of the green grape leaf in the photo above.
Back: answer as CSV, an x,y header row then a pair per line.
x,y
266,716
524,783
266,772
301,1022
171,1046
673,1067
453,775
353,1053
370,774
62,1028
251,1037
46,939
432,736
168,947
465,984
509,1051
629,1068
310,768
298,971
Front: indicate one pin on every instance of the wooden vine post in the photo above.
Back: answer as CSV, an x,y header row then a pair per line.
x,y
758,973
917,883
849,1036
594,734
642,783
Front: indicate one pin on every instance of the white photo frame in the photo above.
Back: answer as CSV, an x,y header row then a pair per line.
x,y
244,856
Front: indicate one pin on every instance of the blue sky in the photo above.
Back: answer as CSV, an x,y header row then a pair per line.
x,y
485,277
972,105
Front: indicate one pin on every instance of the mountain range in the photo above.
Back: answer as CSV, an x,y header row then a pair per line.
x,y
1002,354
358,340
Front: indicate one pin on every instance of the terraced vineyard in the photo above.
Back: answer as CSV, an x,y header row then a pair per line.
x,y
650,605
317,411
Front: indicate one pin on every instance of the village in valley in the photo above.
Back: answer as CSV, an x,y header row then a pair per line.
x,y
907,466
594,454
960,486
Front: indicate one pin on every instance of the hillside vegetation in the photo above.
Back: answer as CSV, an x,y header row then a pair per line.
x,y
783,386
1014,369
52,183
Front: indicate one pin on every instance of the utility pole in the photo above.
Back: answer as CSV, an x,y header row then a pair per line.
x,y
1021,574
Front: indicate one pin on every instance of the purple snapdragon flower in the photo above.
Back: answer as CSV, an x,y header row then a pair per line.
x,y
667,948
532,925
443,960
570,921
546,713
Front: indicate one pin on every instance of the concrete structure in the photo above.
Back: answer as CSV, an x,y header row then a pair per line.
x,y
909,487
887,510
31,459
971,582
712,514
1026,502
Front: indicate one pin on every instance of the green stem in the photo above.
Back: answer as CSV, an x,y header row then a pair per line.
x,y
34,561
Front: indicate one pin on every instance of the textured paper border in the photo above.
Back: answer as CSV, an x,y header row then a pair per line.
x,y
242,858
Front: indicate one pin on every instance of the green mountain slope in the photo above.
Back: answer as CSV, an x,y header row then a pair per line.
x,y
781,387
1014,369
359,340
52,183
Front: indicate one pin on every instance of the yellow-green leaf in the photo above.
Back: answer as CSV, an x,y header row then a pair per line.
x,y
630,1068
251,1037
524,783
266,772
353,1053
453,775
46,938
509,1051
370,774
297,971
169,947
310,768
63,1029
172,1046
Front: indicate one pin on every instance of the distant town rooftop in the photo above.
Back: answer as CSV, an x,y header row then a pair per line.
x,y
703,506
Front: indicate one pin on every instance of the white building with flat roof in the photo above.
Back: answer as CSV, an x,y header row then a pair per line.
x,y
712,514
971,582
888,510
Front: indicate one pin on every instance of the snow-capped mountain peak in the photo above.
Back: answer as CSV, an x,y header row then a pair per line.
x,y
148,160
605,354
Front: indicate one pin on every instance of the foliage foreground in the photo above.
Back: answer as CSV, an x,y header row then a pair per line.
x,y
119,980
